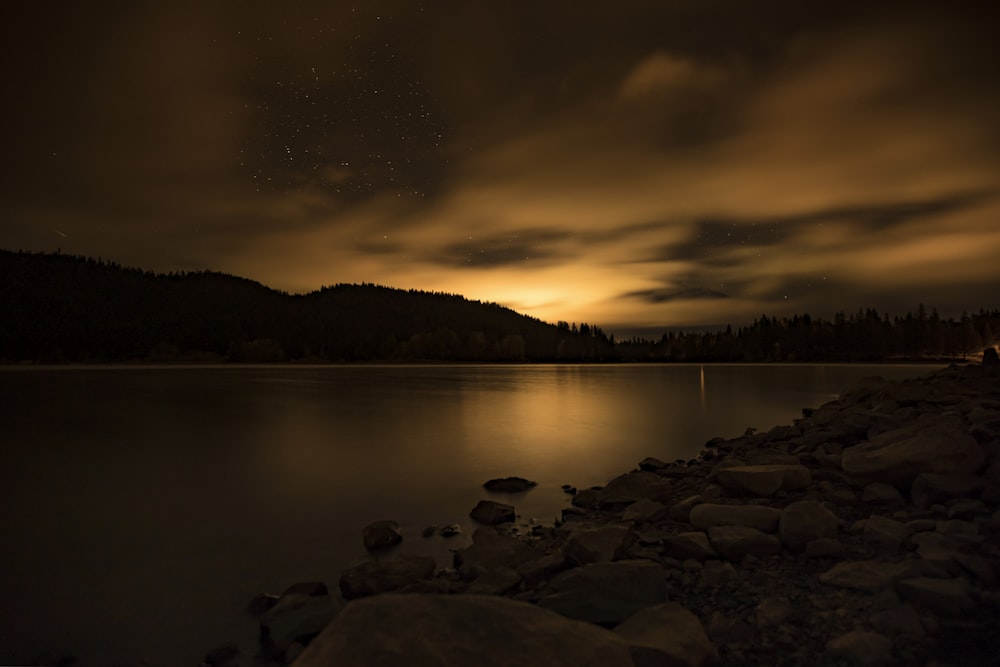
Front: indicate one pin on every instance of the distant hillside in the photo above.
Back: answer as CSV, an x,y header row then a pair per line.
x,y
58,308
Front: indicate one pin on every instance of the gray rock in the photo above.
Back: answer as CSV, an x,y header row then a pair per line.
x,y
595,544
861,647
606,593
963,532
509,485
825,547
667,634
885,533
426,630
371,576
869,576
762,518
495,582
735,542
382,535
939,445
296,617
928,489
947,597
684,546
651,464
804,521
717,572
764,480
491,513
878,493
772,612
491,551
681,511
645,511
537,570
634,486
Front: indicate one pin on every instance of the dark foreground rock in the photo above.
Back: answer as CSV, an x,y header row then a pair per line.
x,y
434,630
866,533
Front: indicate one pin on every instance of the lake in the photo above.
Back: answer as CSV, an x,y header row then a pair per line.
x,y
144,506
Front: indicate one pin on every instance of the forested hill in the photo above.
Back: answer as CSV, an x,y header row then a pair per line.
x,y
59,308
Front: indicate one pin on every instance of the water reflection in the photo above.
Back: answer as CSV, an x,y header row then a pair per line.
x,y
183,492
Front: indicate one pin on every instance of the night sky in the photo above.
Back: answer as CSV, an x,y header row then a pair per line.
x,y
639,165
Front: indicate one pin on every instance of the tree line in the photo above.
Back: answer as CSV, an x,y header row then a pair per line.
x,y
58,308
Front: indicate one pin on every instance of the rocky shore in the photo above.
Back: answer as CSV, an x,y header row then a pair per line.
x,y
866,533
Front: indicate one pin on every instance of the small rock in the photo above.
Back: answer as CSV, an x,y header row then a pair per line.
x,y
867,575
645,511
682,511
509,485
764,480
496,582
885,533
717,572
804,521
382,535
491,513
706,515
735,542
588,544
688,545
861,647
429,531
371,577
901,619
651,464
450,530
773,612
878,493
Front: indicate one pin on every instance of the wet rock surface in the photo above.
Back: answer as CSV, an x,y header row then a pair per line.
x,y
866,533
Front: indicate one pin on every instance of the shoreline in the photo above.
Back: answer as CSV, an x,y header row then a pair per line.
x,y
784,547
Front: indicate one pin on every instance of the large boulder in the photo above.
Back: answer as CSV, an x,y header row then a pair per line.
x,y
940,445
804,521
947,597
371,576
491,551
631,487
762,518
595,544
491,513
764,480
607,593
296,617
667,634
382,535
869,576
434,630
735,542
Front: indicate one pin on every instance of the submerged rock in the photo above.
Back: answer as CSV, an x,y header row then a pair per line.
x,y
509,485
764,480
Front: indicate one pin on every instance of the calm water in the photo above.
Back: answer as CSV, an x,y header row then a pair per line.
x,y
143,507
